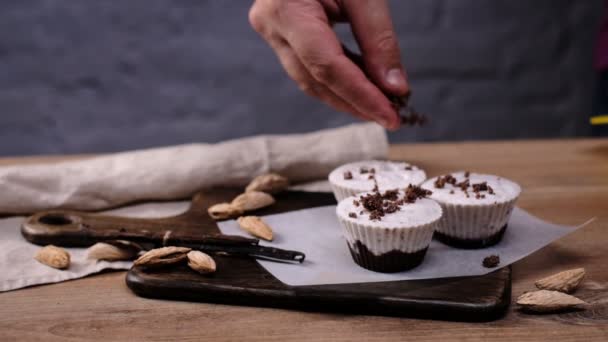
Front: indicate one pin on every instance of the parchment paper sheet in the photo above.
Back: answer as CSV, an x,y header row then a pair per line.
x,y
318,234
315,232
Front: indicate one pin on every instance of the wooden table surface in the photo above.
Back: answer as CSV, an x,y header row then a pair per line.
x,y
564,181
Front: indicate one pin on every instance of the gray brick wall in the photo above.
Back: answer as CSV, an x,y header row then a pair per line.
x,y
91,76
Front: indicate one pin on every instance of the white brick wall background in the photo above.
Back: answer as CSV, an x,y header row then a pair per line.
x,y
96,76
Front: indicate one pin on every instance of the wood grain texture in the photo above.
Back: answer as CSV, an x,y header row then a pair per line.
x,y
565,181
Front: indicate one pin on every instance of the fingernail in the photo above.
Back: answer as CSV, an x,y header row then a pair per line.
x,y
395,78
385,122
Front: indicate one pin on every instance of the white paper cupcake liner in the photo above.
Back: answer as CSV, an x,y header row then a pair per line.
x,y
379,240
474,221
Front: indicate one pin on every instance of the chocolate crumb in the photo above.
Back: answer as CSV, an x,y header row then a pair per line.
x,y
407,114
376,215
441,181
467,174
371,177
391,195
451,192
363,170
391,208
353,215
413,118
398,102
372,201
491,261
480,187
372,170
414,192
409,168
463,185
348,175
356,203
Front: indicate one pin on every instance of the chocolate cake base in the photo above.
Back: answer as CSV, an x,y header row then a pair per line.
x,y
470,243
390,262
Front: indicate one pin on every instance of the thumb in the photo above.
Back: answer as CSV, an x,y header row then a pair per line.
x,y
372,26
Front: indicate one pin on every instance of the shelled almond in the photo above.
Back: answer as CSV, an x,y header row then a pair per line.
x,y
566,281
271,183
545,301
162,256
222,211
201,262
113,250
252,200
53,256
256,227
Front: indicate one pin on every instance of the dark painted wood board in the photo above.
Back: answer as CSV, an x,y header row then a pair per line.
x,y
242,281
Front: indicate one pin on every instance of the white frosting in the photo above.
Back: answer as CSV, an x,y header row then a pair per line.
x,y
389,175
421,212
504,190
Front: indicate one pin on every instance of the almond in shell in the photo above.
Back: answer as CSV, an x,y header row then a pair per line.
x,y
53,256
222,211
113,250
566,281
256,227
162,257
252,200
545,301
271,183
201,262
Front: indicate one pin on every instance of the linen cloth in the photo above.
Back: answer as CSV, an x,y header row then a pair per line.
x,y
178,172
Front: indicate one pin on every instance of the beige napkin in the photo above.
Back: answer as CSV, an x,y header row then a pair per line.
x,y
178,172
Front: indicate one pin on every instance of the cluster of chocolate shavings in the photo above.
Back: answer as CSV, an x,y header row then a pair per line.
x,y
348,175
441,181
379,204
464,186
414,192
408,115
414,118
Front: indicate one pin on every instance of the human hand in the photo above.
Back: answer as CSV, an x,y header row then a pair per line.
x,y
300,32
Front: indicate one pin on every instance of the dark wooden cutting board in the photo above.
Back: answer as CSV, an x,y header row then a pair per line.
x,y
243,281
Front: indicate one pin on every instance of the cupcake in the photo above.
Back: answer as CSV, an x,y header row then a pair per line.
x,y
476,208
389,231
353,178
